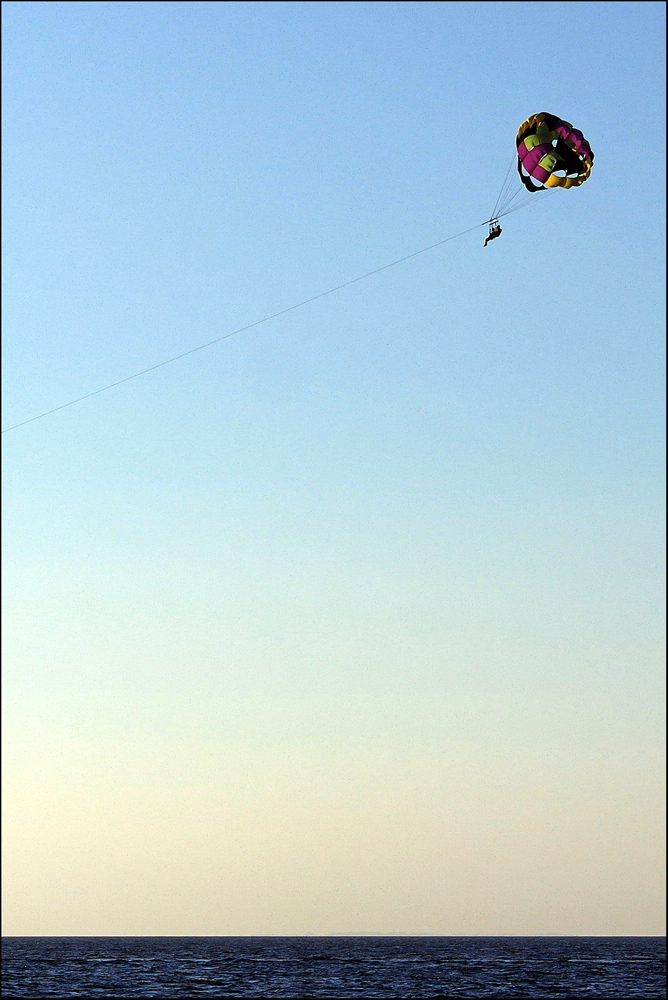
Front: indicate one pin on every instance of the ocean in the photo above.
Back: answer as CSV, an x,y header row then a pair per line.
x,y
334,967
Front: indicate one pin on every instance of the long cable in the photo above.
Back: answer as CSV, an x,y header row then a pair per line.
x,y
241,329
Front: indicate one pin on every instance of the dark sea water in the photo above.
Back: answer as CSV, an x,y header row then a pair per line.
x,y
334,967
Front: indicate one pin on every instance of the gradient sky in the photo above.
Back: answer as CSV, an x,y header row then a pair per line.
x,y
352,623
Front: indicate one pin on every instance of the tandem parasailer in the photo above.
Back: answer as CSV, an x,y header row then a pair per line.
x,y
495,231
551,153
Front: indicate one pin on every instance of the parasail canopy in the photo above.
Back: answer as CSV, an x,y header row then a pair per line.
x,y
551,153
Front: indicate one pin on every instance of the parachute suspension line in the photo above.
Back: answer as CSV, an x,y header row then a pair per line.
x,y
243,329
511,190
531,199
510,198
506,187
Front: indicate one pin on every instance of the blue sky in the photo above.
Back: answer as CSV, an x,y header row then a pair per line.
x,y
358,615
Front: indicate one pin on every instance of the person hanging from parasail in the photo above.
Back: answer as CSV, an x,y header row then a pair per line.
x,y
494,231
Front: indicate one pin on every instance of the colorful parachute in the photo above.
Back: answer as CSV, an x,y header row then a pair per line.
x,y
551,153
